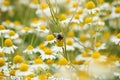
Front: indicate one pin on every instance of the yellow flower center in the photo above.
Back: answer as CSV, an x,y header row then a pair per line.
x,y
63,61
117,9
2,27
70,34
7,22
16,23
88,20
84,54
43,5
80,11
12,33
2,74
47,51
2,62
26,28
23,67
62,17
49,61
90,5
77,16
67,1
18,59
69,42
30,47
12,72
38,61
1,54
118,35
83,37
8,42
35,20
35,1
95,55
97,44
74,4
6,2
48,74
42,77
59,43
42,27
49,37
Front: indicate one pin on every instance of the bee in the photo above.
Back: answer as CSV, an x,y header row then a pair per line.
x,y
59,37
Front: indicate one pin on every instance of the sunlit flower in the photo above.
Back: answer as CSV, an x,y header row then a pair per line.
x,y
9,48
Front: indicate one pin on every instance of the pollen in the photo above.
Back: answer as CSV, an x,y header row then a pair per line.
x,y
69,42
18,59
2,27
43,5
2,62
8,42
49,37
42,27
47,51
23,67
90,5
95,55
30,47
63,61
12,33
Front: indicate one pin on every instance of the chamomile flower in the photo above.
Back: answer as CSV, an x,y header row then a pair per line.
x,y
8,24
29,50
9,48
48,54
69,44
50,39
12,35
99,46
42,29
26,29
115,39
23,70
3,30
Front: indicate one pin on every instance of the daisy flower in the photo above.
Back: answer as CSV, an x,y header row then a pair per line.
x,y
3,30
42,29
115,39
8,24
23,70
69,44
9,47
47,54
49,39
29,50
11,35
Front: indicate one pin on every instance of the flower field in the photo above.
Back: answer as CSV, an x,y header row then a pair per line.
x,y
59,39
